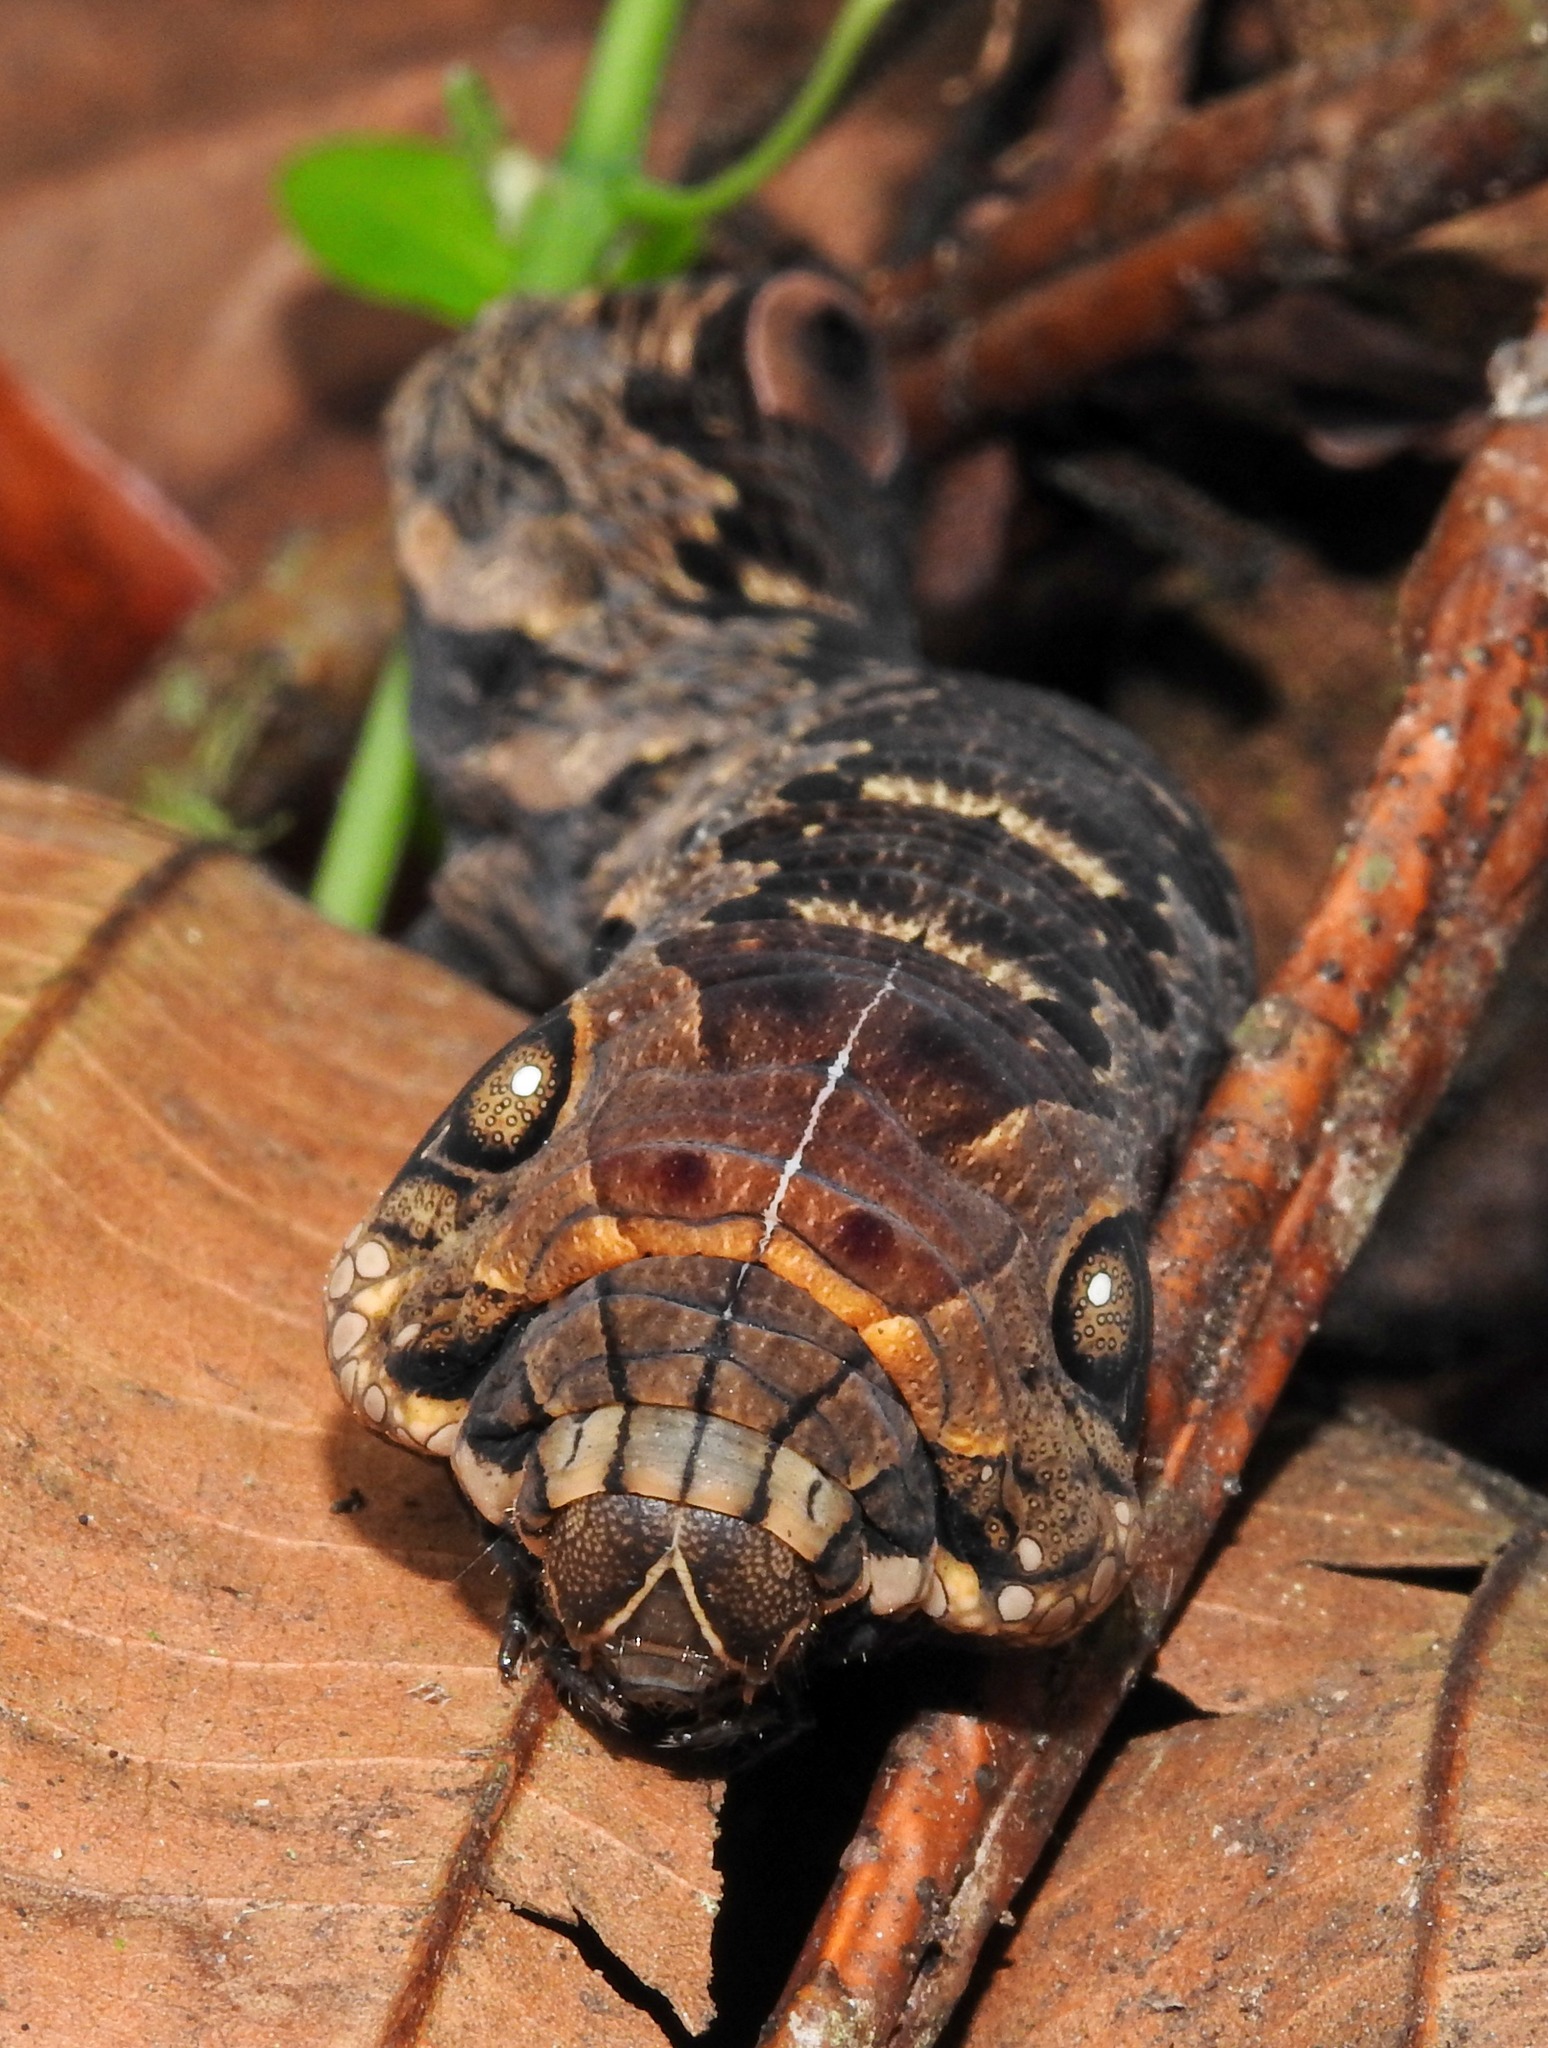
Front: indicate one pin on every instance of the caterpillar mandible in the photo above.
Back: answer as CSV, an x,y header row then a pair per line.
x,y
787,1277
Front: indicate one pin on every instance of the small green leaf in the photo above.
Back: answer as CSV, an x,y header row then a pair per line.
x,y
399,220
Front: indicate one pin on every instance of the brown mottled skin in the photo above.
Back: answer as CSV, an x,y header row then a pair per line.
x,y
787,1277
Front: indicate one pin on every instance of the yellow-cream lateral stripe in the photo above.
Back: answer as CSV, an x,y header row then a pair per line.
x,y
1044,838
933,935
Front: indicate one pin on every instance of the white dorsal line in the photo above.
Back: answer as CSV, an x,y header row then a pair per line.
x,y
831,1079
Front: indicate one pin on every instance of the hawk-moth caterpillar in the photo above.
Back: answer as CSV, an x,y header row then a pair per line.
x,y
788,1274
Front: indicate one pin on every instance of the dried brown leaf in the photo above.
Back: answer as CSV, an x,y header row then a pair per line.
x,y
528,1980
1344,1851
257,1772
1313,1579
636,1870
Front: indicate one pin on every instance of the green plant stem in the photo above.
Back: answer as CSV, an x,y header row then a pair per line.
x,y
644,199
574,219
564,235
375,810
612,116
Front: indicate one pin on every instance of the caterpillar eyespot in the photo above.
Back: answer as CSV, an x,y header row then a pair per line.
x,y
506,1112
1101,1320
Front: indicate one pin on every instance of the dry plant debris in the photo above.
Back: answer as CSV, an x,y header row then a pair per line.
x,y
248,717
1276,790
1298,176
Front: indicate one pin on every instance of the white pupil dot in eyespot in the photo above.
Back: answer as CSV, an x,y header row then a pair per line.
x,y
526,1080
1099,1289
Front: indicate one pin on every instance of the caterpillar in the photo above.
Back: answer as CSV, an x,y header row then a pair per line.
x,y
786,1279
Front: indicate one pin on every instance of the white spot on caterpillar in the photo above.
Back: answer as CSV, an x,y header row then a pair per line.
x,y
341,1279
347,1333
372,1260
1099,1289
1014,1602
1103,1579
896,1582
1059,1620
526,1080
835,1074
373,1403
1029,1553
405,1336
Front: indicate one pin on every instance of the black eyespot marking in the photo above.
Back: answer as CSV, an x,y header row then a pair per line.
x,y
612,935
1101,1320
507,1110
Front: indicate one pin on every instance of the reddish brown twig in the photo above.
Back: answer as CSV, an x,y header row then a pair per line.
x,y
1320,166
1336,1068
1130,190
